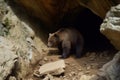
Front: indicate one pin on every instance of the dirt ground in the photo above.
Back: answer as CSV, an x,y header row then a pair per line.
x,y
88,64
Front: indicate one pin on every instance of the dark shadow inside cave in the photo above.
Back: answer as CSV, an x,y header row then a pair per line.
x,y
88,24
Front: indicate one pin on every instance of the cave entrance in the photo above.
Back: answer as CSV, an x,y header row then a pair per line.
x,y
88,24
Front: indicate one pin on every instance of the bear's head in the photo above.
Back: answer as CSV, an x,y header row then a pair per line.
x,y
53,40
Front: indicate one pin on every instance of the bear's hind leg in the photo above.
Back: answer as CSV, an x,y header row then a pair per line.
x,y
79,49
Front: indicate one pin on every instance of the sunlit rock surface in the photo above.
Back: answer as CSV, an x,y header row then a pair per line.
x,y
111,26
7,58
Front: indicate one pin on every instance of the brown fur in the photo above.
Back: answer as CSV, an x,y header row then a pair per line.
x,y
67,40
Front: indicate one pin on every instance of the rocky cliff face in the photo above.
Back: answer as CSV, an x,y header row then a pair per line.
x,y
18,54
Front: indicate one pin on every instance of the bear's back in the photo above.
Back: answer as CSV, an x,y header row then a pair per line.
x,y
69,34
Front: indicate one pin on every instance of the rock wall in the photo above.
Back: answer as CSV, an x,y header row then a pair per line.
x,y
98,7
111,26
8,58
20,48
50,12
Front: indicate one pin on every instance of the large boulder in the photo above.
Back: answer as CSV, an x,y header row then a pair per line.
x,y
110,70
21,41
111,26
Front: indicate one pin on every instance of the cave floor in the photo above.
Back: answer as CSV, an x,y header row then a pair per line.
x,y
89,64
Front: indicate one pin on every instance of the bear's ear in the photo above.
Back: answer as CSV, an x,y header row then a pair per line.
x,y
50,34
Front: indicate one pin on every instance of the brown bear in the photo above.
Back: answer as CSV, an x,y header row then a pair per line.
x,y
68,40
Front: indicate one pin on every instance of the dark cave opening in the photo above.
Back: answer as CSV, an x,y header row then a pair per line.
x,y
88,24
83,20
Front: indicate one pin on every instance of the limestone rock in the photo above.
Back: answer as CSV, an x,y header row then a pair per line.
x,y
3,30
12,78
85,77
112,68
49,77
53,68
109,71
111,26
24,43
7,59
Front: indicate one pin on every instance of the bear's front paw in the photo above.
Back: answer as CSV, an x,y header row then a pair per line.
x,y
64,56
78,56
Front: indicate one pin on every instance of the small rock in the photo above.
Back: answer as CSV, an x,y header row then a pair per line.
x,y
67,63
36,74
87,54
12,78
28,39
73,73
64,76
73,64
88,67
70,75
54,68
80,73
30,79
87,72
48,77
94,64
74,78
92,58
84,77
45,59
80,69
66,79
93,55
